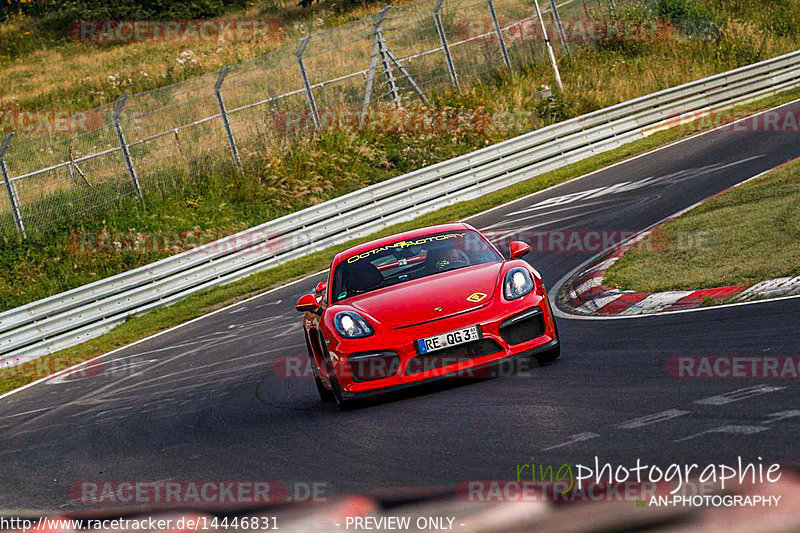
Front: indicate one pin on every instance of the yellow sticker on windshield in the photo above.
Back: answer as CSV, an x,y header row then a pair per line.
x,y
405,244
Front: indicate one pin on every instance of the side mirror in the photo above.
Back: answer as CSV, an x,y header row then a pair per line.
x,y
307,304
517,249
320,288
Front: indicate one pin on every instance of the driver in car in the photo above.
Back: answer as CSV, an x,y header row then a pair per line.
x,y
446,258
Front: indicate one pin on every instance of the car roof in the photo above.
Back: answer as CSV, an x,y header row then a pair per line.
x,y
399,237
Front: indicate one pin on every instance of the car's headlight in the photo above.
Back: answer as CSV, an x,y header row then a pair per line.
x,y
351,325
518,283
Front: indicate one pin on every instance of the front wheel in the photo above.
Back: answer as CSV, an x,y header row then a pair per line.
x,y
324,394
336,392
553,354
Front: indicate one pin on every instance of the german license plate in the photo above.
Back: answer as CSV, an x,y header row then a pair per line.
x,y
445,340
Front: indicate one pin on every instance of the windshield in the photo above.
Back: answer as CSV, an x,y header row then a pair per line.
x,y
410,259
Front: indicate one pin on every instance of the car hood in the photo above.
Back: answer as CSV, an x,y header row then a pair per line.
x,y
416,301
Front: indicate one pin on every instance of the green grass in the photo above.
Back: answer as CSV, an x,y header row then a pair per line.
x,y
202,303
44,69
747,235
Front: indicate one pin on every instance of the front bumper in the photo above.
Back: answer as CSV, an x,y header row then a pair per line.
x,y
472,371
504,336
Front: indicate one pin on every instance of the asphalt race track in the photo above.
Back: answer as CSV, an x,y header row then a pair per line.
x,y
203,402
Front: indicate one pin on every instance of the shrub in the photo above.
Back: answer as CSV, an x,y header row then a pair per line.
x,y
688,16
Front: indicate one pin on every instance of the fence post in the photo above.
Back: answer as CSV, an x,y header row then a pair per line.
x,y
224,113
443,39
549,48
613,4
124,146
387,66
373,63
11,189
306,84
560,27
408,76
499,33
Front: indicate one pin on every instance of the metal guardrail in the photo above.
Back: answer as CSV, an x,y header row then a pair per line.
x,y
69,318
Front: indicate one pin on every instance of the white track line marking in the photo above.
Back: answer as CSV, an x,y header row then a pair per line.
x,y
732,430
782,415
738,395
578,437
663,416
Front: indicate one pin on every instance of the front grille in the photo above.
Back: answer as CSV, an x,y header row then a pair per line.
x,y
373,365
523,327
452,355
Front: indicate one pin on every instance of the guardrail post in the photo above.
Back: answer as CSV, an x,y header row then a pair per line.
x,y
499,33
560,27
306,84
443,39
11,189
124,146
549,47
224,114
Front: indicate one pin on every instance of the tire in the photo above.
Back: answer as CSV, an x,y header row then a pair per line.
x,y
336,392
553,354
324,394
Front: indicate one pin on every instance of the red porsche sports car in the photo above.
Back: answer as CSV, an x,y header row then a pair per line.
x,y
423,305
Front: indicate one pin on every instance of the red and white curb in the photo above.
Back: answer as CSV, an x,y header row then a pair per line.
x,y
587,294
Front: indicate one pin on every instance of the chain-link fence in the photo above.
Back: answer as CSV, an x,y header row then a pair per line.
x,y
387,61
